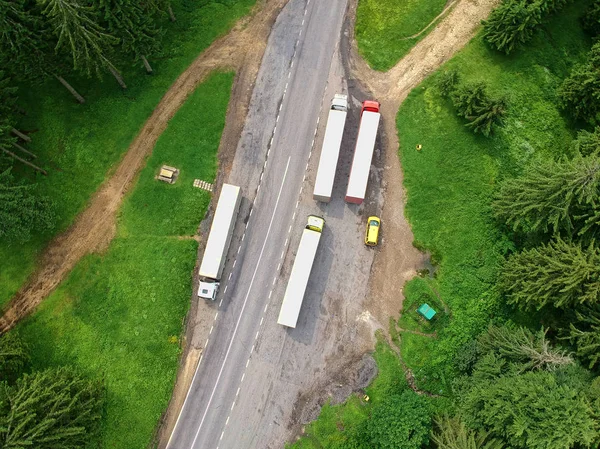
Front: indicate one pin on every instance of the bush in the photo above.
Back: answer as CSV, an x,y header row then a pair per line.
x,y
447,82
401,420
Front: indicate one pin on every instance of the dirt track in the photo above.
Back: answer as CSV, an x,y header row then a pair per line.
x,y
240,50
397,259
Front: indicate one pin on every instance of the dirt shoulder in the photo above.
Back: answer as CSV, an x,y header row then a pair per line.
x,y
241,50
397,260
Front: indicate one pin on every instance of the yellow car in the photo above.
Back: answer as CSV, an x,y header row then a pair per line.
x,y
372,234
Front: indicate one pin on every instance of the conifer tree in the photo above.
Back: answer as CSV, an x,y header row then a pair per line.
x,y
452,433
585,335
26,42
14,356
587,142
133,25
482,112
551,196
580,92
530,350
534,410
51,409
511,24
561,274
22,210
77,31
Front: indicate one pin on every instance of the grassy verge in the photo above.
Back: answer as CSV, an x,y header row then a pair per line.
x,y
119,315
78,144
384,28
326,432
450,183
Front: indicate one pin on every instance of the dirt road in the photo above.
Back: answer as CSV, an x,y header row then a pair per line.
x,y
241,50
397,260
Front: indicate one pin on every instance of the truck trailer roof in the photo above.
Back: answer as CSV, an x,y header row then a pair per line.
x,y
363,155
303,263
330,152
220,232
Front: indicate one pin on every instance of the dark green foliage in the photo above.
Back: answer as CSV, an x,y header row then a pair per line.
x,y
587,142
514,22
52,409
401,420
452,433
78,33
560,274
580,92
482,112
585,334
134,25
13,357
447,82
551,195
511,24
591,19
22,211
531,411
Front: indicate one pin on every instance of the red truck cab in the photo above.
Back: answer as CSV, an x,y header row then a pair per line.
x,y
370,105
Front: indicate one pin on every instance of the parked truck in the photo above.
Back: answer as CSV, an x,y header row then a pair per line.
x,y
330,150
363,152
296,287
219,239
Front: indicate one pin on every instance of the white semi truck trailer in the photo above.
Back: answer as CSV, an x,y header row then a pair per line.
x,y
296,287
330,150
219,239
363,153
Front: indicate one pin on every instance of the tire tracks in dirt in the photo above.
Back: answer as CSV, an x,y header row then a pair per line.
x,y
240,50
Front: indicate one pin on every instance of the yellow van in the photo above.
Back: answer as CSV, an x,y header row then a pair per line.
x,y
372,234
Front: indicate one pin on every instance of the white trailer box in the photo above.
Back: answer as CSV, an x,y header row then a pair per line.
x,y
294,293
363,153
219,239
330,151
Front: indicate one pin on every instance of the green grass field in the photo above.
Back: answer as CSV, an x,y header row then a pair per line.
x,y
79,144
450,182
384,28
119,315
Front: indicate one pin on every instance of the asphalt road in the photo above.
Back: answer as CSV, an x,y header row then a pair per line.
x,y
225,407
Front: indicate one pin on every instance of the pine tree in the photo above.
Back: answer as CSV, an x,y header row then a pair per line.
x,y
482,112
551,195
587,142
534,410
531,351
22,210
52,409
512,24
585,335
452,433
591,19
133,25
580,92
26,43
77,31
14,357
560,274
